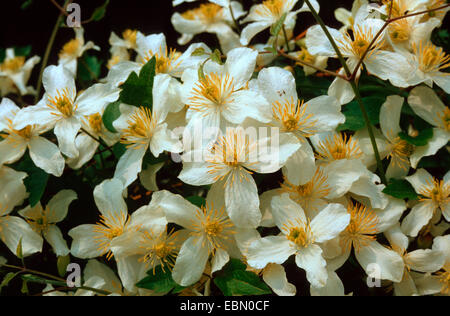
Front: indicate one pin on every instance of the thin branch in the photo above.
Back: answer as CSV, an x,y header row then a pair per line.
x,y
60,8
286,38
334,74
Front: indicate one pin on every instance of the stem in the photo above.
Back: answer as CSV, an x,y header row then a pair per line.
x,y
335,74
238,27
26,270
98,140
286,39
48,50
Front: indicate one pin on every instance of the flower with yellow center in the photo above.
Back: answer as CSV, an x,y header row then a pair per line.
x,y
442,245
210,233
130,37
44,153
434,200
337,147
44,220
300,237
208,13
437,14
12,65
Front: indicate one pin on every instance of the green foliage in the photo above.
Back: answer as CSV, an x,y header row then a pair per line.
x,y
421,140
400,189
159,281
89,68
138,89
354,119
36,181
8,278
18,51
235,280
197,200
309,87
112,113
26,4
62,264
99,13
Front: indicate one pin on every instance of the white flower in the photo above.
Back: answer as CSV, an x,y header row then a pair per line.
x,y
13,229
43,220
427,105
295,117
434,200
128,40
17,70
74,49
442,244
62,109
144,129
300,237
347,18
266,14
44,153
228,165
211,18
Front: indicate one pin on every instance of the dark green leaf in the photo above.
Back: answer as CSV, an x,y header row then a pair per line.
x,y
235,280
62,264
400,189
309,87
421,140
8,278
112,113
159,281
197,200
89,68
26,4
100,12
23,50
138,90
35,182
354,119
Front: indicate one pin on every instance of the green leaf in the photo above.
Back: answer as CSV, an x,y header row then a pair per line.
x,y
421,140
8,278
197,200
23,50
400,189
216,57
159,281
100,12
138,90
235,280
36,181
275,29
62,264
89,68
19,250
354,119
199,52
112,113
309,87
26,4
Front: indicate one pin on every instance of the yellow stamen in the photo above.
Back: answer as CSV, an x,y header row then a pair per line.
x,y
339,146
293,117
166,61
96,123
214,226
274,8
445,117
434,4
362,37
130,36
400,152
444,278
436,192
62,103
299,233
13,64
362,228
108,228
140,129
305,56
431,58
399,31
70,49
208,13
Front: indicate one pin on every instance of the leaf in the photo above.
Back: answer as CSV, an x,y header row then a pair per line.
x,y
235,280
26,4
19,250
8,278
197,200
99,13
23,50
62,264
36,181
216,57
309,87
275,29
159,281
354,119
199,52
138,90
400,189
89,68
112,113
421,140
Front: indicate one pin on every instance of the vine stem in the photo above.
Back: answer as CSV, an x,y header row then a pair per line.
x,y
286,39
355,90
49,49
236,23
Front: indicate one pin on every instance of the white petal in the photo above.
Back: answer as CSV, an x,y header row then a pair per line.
x,y
66,131
46,156
277,84
275,277
241,64
86,239
219,260
55,238
425,260
59,204
334,286
109,200
129,165
286,211
12,190
310,259
419,216
390,116
13,230
272,249
300,168
330,221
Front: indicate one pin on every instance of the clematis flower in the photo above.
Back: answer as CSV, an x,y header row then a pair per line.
x,y
263,16
221,97
315,60
442,244
62,109
128,40
421,260
434,201
14,230
228,166
295,117
43,220
427,105
360,235
378,61
209,231
74,49
44,153
391,145
17,70
300,237
145,129
212,18
347,18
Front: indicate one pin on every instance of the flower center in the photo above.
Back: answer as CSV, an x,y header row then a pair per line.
x,y
399,7
362,228
13,64
166,61
399,31
431,58
445,117
444,278
436,192
400,152
25,133
299,233
160,249
306,56
96,123
70,49
338,146
362,37
215,226
208,13
140,128
109,228
434,4
130,37
293,117
274,8
63,103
